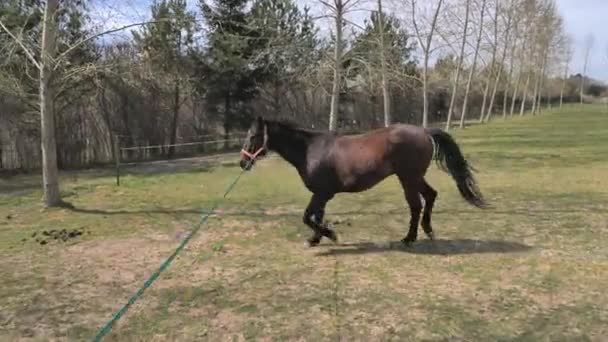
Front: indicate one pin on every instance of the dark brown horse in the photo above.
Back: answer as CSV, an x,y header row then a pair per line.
x,y
329,163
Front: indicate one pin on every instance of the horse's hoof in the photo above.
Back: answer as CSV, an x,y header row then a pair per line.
x,y
408,240
313,241
330,234
431,235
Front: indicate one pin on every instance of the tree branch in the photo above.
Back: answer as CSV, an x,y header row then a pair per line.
x,y
27,52
95,36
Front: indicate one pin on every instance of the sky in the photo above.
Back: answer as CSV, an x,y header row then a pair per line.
x,y
582,17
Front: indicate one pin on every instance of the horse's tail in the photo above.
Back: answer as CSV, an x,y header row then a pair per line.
x,y
450,159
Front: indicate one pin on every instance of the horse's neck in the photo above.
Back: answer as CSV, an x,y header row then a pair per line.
x,y
291,144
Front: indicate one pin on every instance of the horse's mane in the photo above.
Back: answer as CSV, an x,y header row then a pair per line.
x,y
292,126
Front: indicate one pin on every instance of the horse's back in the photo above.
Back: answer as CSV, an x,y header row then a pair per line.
x,y
356,162
412,148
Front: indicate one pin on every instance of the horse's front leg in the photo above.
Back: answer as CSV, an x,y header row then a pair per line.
x,y
313,218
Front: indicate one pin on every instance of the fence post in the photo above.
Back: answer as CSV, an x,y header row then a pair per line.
x,y
117,158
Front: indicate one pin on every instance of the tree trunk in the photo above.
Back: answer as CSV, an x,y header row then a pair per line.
x,y
486,91
227,118
176,107
515,91
524,95
541,82
509,78
458,68
519,74
491,73
582,90
472,71
425,111
50,172
535,93
385,89
561,93
493,96
425,92
335,91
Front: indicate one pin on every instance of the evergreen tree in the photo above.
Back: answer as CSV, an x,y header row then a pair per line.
x,y
288,46
398,53
165,43
226,72
364,61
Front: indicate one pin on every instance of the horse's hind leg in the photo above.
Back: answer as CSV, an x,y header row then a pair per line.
x,y
313,218
412,187
429,194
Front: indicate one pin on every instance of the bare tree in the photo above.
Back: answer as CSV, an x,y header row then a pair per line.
x,y
459,66
550,39
509,81
507,43
48,65
44,64
474,63
567,55
338,9
50,173
542,50
492,70
521,68
425,40
589,40
530,11
385,89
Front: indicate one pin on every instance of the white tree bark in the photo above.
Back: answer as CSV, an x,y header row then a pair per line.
x,y
426,48
539,94
459,66
50,173
473,67
588,46
524,96
492,70
507,45
509,81
568,55
513,56
527,65
385,86
335,90
537,77
522,68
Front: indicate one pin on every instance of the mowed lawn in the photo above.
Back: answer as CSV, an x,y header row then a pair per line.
x,y
533,267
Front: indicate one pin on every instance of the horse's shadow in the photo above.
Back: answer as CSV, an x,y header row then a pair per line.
x,y
429,247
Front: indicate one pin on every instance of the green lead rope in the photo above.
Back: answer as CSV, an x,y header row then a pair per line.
x,y
106,329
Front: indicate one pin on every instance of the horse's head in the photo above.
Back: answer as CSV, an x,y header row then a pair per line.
x,y
255,145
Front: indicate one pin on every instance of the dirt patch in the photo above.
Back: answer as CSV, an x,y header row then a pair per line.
x,y
56,235
121,261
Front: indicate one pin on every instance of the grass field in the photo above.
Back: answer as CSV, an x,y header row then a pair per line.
x,y
533,267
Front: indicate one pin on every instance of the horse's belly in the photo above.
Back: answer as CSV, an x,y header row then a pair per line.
x,y
363,181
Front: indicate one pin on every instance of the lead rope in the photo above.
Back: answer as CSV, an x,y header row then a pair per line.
x,y
108,327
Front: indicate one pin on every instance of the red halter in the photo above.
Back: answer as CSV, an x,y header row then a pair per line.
x,y
253,156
